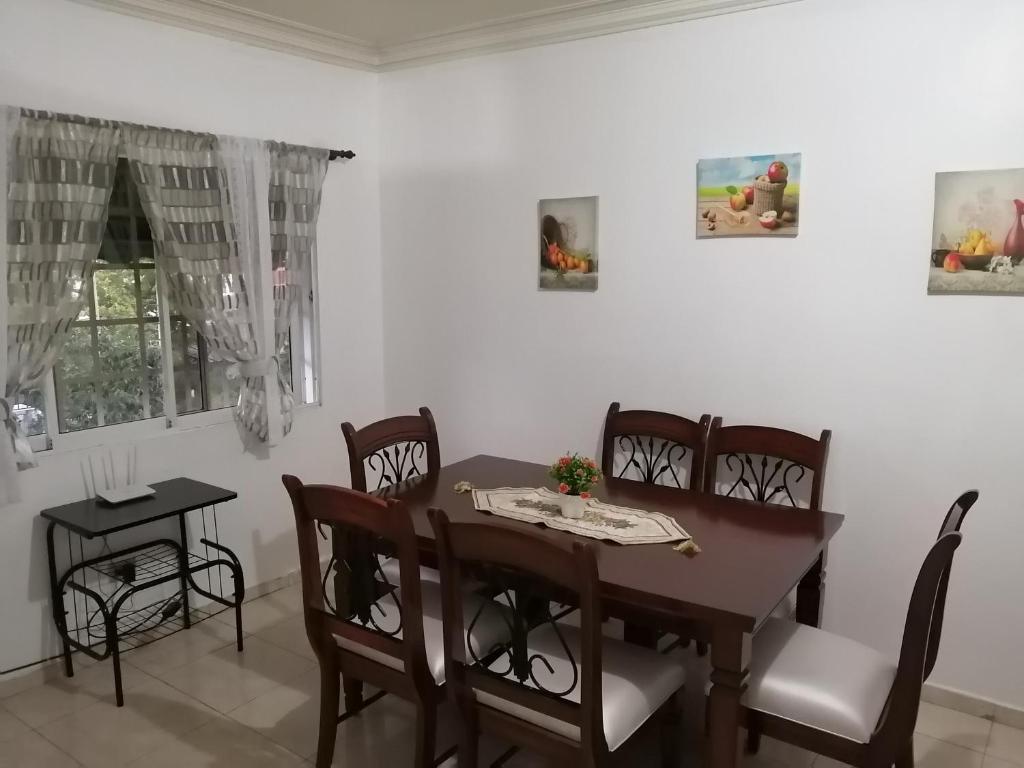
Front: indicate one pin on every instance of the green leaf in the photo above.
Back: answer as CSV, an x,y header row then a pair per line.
x,y
731,189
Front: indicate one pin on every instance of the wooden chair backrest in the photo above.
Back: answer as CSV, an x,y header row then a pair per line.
x,y
656,445
514,561
395,449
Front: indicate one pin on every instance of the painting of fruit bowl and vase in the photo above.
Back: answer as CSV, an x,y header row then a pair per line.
x,y
568,244
978,233
756,195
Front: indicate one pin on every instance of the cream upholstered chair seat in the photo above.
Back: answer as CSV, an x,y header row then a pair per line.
x,y
390,568
492,628
636,682
818,679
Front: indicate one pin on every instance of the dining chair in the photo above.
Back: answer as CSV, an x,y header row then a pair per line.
x,y
394,449
654,447
371,630
951,524
565,692
765,464
841,699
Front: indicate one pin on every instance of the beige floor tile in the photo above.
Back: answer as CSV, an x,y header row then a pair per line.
x,y
227,679
104,735
265,611
995,762
776,751
1006,743
287,715
64,695
290,634
30,750
10,726
932,753
221,743
182,647
954,727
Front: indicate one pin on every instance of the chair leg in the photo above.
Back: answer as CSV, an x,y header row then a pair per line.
x,y
753,740
469,739
906,757
426,734
353,695
330,685
671,726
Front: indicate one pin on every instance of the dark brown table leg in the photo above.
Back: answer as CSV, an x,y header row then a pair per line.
x,y
810,594
730,662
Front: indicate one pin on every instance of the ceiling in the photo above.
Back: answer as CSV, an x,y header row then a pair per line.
x,y
390,34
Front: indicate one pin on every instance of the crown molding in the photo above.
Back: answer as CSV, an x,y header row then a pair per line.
x,y
583,20
221,19
589,18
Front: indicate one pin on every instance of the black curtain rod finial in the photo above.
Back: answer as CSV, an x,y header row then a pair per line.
x,y
340,154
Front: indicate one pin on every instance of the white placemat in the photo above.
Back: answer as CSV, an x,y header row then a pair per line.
x,y
600,521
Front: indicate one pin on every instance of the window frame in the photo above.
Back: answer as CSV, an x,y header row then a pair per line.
x,y
304,332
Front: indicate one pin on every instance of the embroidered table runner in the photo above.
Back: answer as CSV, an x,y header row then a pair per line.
x,y
600,521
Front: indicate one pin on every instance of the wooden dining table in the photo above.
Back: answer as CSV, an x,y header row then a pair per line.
x,y
752,557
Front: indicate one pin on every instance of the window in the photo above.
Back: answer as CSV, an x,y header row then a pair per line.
x,y
129,356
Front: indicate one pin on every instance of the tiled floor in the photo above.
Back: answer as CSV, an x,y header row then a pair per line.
x,y
192,701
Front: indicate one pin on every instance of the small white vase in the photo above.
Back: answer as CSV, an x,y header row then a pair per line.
x,y
572,506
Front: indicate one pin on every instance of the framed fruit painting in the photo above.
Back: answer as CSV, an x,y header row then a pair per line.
x,y
978,233
568,244
752,196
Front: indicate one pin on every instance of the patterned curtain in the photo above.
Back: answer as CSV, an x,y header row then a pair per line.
x,y
204,250
59,171
296,184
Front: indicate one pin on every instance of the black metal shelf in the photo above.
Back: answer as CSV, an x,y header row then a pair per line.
x,y
119,600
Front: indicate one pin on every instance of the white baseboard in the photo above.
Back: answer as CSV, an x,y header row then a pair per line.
x,y
972,704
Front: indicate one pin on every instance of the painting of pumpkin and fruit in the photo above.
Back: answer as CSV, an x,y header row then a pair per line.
x,y
978,233
756,195
568,244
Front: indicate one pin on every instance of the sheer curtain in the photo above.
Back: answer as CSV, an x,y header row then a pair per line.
x,y
57,172
296,187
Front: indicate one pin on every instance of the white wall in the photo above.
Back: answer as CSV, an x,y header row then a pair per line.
x,y
833,329
63,56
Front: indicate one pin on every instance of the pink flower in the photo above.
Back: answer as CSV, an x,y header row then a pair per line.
x,y
585,494
564,461
563,488
591,464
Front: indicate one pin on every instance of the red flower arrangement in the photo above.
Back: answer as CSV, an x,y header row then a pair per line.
x,y
575,474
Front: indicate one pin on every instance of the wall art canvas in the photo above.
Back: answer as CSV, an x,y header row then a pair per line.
x,y
756,195
568,244
978,233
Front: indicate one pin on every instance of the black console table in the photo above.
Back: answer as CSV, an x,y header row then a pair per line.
x,y
106,627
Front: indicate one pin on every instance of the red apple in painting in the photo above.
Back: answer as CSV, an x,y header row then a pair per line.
x,y
778,171
748,192
952,262
738,201
769,219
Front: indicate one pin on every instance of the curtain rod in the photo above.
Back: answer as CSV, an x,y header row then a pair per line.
x,y
332,154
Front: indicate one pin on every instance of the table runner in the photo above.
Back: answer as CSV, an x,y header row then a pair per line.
x,y
540,506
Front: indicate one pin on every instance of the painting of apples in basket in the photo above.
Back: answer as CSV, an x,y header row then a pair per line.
x,y
746,196
568,244
978,233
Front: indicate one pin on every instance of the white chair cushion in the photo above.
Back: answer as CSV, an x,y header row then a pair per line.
x,y
389,567
821,680
635,683
490,630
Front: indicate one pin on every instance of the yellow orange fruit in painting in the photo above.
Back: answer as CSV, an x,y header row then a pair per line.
x,y
967,249
585,266
984,248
